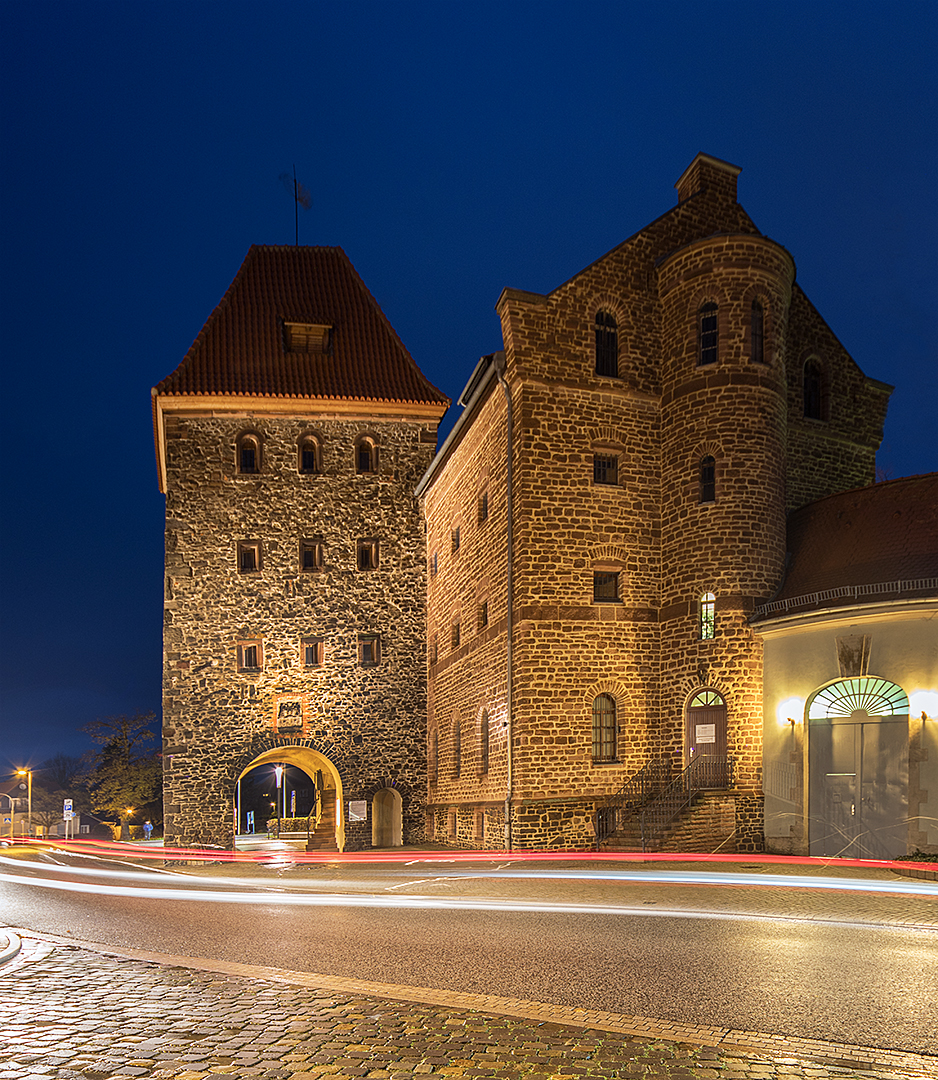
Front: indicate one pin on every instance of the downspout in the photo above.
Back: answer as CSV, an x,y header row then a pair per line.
x,y
500,373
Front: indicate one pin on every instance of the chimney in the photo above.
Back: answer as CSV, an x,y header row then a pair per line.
x,y
706,173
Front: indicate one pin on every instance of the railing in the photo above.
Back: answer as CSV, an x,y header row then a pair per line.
x,y
849,592
635,792
706,772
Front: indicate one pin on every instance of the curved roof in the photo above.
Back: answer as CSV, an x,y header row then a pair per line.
x,y
241,350
882,535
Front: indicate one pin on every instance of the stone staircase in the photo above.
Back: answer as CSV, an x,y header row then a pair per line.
x,y
708,824
323,838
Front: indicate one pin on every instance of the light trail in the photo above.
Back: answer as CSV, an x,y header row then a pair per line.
x,y
909,887
275,854
427,903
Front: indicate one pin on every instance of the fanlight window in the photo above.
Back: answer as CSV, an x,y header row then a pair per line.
x,y
868,696
706,699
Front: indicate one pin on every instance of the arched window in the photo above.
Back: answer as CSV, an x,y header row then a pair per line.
x,y
707,334
457,749
249,454
366,455
484,743
708,479
814,390
708,617
310,456
604,728
607,345
433,755
757,332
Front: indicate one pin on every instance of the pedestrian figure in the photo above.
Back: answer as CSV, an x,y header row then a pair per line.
x,y
147,830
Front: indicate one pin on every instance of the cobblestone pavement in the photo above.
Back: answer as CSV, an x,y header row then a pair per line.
x,y
72,1012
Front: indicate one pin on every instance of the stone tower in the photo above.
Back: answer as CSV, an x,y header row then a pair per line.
x,y
289,442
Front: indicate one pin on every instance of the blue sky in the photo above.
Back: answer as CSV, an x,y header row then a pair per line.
x,y
451,149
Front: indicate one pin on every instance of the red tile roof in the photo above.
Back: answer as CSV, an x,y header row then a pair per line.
x,y
240,350
874,535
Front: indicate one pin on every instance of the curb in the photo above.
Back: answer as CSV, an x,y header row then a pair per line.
x,y
10,945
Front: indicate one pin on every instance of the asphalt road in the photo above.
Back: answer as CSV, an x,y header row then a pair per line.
x,y
851,967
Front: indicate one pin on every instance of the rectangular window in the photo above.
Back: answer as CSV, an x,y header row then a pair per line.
x,y
249,556
605,586
310,555
312,652
605,469
369,650
434,564
250,656
708,617
367,554
483,507
455,635
483,614
456,539
435,649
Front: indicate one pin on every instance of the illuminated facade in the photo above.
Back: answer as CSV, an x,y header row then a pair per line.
x,y
605,522
851,673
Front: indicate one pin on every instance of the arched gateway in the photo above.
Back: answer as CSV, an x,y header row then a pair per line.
x,y
319,768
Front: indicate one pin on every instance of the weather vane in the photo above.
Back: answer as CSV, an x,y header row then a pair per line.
x,y
301,197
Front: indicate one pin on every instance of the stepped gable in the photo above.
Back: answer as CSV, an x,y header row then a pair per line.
x,y
242,349
883,533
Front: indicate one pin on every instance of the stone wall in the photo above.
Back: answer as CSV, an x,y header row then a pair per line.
x,y
370,722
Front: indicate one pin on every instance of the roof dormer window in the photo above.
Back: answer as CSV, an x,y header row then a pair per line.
x,y
303,337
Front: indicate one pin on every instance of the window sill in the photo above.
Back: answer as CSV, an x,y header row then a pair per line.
x,y
601,764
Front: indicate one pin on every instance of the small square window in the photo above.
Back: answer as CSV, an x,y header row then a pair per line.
x,y
605,469
367,554
605,587
455,635
456,533
369,650
312,652
250,656
310,555
483,614
249,556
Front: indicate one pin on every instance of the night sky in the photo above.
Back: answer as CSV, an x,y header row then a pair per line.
x,y
451,149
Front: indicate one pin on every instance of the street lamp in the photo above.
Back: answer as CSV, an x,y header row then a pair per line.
x,y
278,769
29,798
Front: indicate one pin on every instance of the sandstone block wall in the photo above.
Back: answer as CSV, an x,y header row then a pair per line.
x,y
659,416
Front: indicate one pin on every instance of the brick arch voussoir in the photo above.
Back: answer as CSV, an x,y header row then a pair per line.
x,y
384,783
608,553
260,744
615,688
607,436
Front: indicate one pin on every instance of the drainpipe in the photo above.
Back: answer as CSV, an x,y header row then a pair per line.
x,y
500,372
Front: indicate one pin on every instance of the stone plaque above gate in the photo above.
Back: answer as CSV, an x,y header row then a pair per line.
x,y
289,714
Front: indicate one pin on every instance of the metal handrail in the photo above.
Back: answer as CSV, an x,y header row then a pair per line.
x,y
706,772
635,792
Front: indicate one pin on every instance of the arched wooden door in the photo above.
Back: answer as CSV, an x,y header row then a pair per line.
x,y
705,737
